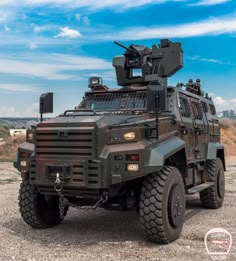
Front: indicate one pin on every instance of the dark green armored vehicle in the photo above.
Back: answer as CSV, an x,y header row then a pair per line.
x,y
145,145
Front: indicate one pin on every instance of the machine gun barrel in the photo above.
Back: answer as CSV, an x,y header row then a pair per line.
x,y
123,46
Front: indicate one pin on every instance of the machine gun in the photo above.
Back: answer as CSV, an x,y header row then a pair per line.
x,y
141,65
130,49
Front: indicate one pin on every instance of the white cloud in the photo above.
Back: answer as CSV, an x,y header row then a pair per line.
x,y
32,46
210,2
39,29
86,20
78,17
224,104
208,60
84,3
211,94
108,75
66,32
5,15
17,88
219,101
32,110
211,26
11,111
42,14
7,29
55,66
94,5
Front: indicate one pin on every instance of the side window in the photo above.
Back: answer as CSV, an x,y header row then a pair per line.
x,y
197,109
184,107
204,106
212,109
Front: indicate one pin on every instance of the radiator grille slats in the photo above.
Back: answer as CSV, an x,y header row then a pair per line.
x,y
73,146
65,142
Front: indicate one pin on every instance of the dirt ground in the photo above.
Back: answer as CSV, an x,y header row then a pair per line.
x,y
108,235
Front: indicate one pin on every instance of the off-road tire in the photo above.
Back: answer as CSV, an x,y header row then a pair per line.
x,y
161,213
35,210
213,197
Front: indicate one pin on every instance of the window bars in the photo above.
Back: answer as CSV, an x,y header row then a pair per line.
x,y
115,101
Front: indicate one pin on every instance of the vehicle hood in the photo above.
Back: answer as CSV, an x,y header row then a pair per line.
x,y
90,120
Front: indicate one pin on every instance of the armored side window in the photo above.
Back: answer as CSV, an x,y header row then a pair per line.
x,y
204,106
197,109
212,109
184,107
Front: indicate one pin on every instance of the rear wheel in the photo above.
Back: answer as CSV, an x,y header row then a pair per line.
x,y
37,210
213,197
162,205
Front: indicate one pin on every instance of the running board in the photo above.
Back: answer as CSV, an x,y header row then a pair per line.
x,y
200,187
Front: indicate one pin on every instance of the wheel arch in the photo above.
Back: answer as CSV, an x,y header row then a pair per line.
x,y
216,150
172,150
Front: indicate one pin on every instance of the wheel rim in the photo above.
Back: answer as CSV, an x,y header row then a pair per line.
x,y
220,184
176,206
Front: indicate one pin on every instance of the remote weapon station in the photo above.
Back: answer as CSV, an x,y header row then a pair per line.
x,y
145,145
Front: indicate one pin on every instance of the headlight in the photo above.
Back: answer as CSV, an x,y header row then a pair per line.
x,y
130,136
30,135
122,136
23,163
132,167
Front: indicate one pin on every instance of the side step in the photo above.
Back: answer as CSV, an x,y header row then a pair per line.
x,y
199,188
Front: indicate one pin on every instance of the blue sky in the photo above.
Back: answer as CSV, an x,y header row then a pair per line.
x,y
55,45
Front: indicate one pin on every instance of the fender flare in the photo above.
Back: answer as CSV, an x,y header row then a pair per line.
x,y
155,157
214,150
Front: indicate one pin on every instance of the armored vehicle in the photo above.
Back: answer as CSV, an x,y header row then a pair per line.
x,y
145,145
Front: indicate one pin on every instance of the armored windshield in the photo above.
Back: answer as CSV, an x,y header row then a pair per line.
x,y
115,101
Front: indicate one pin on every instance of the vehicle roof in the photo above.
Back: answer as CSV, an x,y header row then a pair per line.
x,y
144,88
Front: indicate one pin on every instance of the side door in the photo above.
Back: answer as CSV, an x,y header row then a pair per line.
x,y
186,125
199,124
214,124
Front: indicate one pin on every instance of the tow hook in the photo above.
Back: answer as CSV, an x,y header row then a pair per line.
x,y
58,183
63,202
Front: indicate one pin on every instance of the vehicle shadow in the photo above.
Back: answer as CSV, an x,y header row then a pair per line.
x,y
193,206
90,227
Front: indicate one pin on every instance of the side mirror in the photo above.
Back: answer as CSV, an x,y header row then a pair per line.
x,y
46,103
156,97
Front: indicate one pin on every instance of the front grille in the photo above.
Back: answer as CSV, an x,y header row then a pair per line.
x,y
65,143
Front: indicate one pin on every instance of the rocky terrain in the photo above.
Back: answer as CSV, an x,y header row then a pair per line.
x,y
8,144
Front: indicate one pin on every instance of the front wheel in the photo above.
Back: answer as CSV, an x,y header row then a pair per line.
x,y
162,205
37,210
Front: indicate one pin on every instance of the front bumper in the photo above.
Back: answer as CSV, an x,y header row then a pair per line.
x,y
73,173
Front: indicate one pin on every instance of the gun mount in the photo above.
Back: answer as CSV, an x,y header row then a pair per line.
x,y
141,65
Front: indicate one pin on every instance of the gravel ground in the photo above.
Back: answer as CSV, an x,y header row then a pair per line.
x,y
107,235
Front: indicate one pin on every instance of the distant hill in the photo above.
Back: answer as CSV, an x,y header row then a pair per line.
x,y
4,132
18,123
